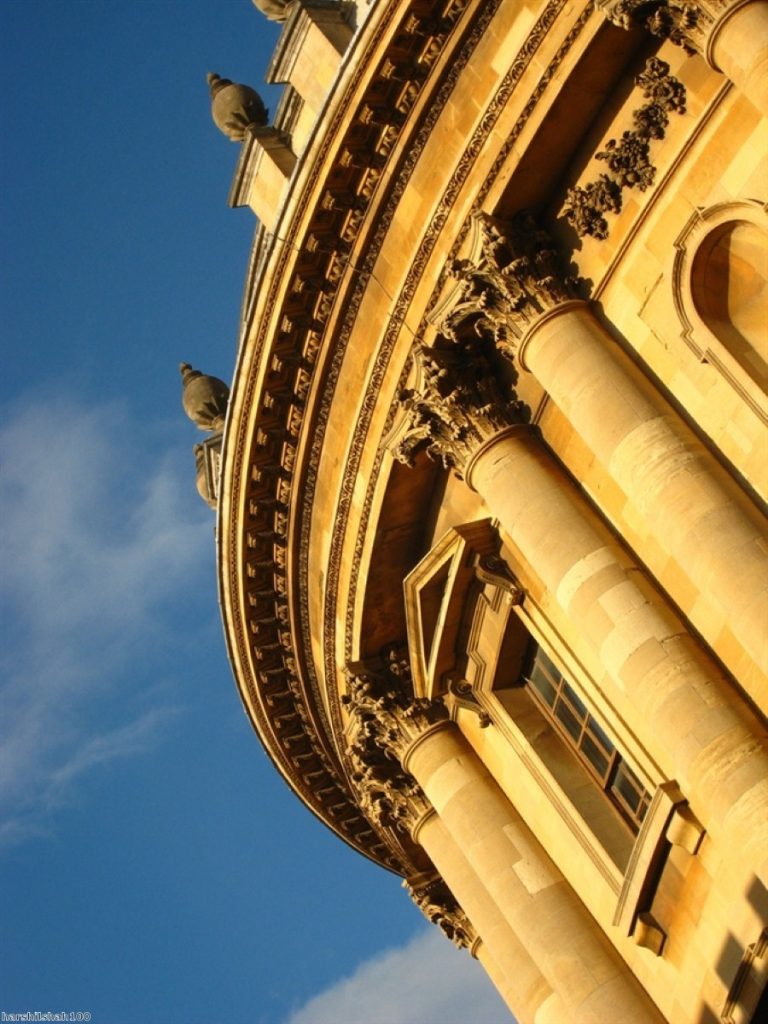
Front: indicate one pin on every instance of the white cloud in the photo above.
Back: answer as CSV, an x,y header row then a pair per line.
x,y
427,981
99,528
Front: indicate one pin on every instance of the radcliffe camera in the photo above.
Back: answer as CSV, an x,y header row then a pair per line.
x,y
489,482
383,508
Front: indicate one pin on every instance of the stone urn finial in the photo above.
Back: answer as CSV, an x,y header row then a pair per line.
x,y
275,10
234,107
204,398
205,401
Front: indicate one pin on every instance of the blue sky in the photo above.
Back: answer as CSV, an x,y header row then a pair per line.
x,y
154,867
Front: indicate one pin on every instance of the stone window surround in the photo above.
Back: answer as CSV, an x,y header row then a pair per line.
x,y
463,550
457,559
696,333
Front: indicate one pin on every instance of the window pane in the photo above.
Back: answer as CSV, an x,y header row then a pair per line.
x,y
627,787
574,701
568,719
542,658
541,682
586,738
596,757
599,735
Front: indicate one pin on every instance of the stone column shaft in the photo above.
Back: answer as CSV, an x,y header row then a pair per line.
x,y
738,46
547,918
688,716
507,961
692,507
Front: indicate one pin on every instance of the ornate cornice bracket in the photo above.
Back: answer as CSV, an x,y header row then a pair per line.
x,y
463,696
510,278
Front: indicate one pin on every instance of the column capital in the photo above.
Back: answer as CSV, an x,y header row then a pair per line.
x,y
510,279
457,403
686,23
385,725
438,904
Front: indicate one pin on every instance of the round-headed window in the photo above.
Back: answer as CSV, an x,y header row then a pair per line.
x,y
729,283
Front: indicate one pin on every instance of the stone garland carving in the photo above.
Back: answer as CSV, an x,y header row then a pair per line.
x,y
515,280
628,158
685,23
459,402
438,904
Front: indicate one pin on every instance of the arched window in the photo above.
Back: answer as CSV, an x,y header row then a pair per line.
x,y
729,284
720,281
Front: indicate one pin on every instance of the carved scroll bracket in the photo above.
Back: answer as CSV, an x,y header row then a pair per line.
x,y
461,695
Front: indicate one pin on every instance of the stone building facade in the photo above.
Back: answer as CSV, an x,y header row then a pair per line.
x,y
492,547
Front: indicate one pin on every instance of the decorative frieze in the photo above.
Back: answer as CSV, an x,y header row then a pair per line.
x,y
629,158
511,278
457,403
438,904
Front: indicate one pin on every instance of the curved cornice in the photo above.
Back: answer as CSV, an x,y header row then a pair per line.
x,y
347,188
334,186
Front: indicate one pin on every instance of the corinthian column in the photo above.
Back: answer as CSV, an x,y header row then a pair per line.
x,y
512,289
545,941
731,35
453,898
686,712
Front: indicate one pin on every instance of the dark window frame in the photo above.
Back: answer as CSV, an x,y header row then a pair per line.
x,y
584,736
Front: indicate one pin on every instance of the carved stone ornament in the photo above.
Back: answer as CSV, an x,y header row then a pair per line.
x,y
203,398
684,22
384,724
457,403
205,401
494,570
235,108
275,10
509,281
629,158
463,696
438,904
